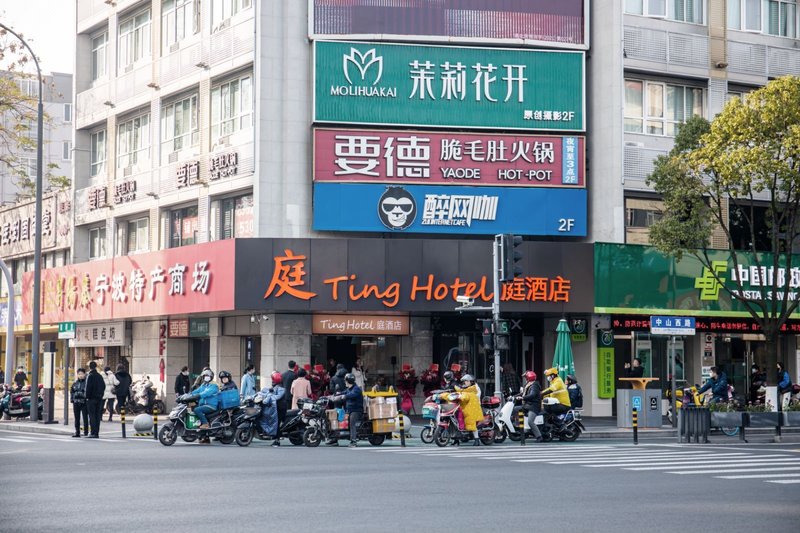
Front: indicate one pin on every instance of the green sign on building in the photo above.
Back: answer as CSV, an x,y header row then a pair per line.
x,y
605,364
448,86
637,279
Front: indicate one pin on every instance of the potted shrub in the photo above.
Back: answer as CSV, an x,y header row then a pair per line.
x,y
725,415
762,416
791,414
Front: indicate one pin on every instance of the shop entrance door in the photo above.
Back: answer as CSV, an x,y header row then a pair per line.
x,y
199,356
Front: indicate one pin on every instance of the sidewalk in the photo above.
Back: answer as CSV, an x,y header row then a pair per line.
x,y
107,429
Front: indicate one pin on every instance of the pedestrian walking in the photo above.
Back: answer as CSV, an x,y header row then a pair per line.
x,y
337,384
360,373
77,396
182,382
354,407
20,377
301,387
575,392
95,389
784,385
109,395
248,387
123,390
287,378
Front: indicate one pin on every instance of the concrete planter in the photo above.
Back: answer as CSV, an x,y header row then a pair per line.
x,y
727,420
791,418
763,420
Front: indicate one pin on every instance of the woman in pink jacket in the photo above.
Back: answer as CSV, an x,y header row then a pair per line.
x,y
301,388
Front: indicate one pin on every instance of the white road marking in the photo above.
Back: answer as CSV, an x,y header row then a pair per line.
x,y
784,481
731,463
737,470
757,476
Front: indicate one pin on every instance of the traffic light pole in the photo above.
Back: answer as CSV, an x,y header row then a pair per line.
x,y
496,315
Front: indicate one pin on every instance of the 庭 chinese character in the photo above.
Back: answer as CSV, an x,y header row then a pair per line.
x,y
357,154
201,277
559,289
101,287
287,278
514,291
156,276
176,279
454,80
483,81
422,75
118,283
137,284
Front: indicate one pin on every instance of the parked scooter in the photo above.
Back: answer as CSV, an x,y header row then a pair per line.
x,y
184,423
18,404
142,398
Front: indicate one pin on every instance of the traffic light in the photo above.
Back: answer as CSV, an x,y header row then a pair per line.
x,y
487,334
510,257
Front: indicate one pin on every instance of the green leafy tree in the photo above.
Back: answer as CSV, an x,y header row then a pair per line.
x,y
18,119
747,157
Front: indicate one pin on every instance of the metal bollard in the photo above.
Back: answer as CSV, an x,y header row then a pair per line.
x,y
122,420
155,422
635,415
402,430
522,427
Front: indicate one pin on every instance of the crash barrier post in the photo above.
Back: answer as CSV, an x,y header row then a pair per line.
x,y
122,420
635,416
155,422
402,430
696,423
522,427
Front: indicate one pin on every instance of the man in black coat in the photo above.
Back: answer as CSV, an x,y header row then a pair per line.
x,y
124,388
287,378
183,384
337,384
95,388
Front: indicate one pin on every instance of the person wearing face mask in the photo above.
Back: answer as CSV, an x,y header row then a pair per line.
x,y
208,401
559,391
470,406
182,383
758,383
78,399
354,406
718,383
248,387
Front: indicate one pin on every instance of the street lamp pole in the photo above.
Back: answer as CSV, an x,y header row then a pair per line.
x,y
37,243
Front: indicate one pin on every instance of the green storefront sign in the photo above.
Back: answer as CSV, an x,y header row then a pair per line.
x,y
405,85
198,327
605,364
640,279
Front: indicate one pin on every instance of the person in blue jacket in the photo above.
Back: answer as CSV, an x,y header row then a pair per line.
x,y
718,383
208,402
248,382
270,423
784,383
353,406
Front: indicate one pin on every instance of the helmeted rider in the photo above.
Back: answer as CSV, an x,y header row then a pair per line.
x,y
227,380
354,406
470,406
208,401
273,395
449,381
575,392
559,391
532,401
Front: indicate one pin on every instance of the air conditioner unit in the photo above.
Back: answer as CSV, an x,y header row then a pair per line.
x,y
633,144
173,157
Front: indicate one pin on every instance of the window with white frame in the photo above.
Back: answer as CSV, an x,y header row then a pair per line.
x,y
179,125
27,166
680,10
234,217
99,55
67,112
29,87
179,19
656,108
97,243
231,107
134,40
133,141
781,18
137,235
66,150
98,152
744,15
222,10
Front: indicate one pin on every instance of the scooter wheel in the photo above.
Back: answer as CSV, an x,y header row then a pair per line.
x,y
296,440
189,437
376,440
227,437
426,435
570,435
487,440
243,436
312,437
441,437
500,436
516,437
167,435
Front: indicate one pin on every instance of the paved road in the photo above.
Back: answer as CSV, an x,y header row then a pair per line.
x,y
64,484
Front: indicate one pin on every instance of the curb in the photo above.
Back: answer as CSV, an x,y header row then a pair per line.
x,y
46,429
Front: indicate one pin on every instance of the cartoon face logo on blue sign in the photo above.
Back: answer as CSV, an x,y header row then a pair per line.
x,y
397,209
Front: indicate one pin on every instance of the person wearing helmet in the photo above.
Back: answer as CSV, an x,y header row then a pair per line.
x,y
353,406
227,381
208,401
274,403
575,392
449,383
470,406
559,392
532,402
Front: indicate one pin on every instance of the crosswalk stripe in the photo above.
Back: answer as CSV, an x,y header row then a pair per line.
x,y
757,476
687,466
700,461
737,470
784,481
648,458
16,440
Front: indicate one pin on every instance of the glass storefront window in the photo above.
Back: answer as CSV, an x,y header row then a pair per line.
x,y
376,354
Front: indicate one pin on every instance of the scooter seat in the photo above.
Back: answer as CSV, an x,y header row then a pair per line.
x,y
291,413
